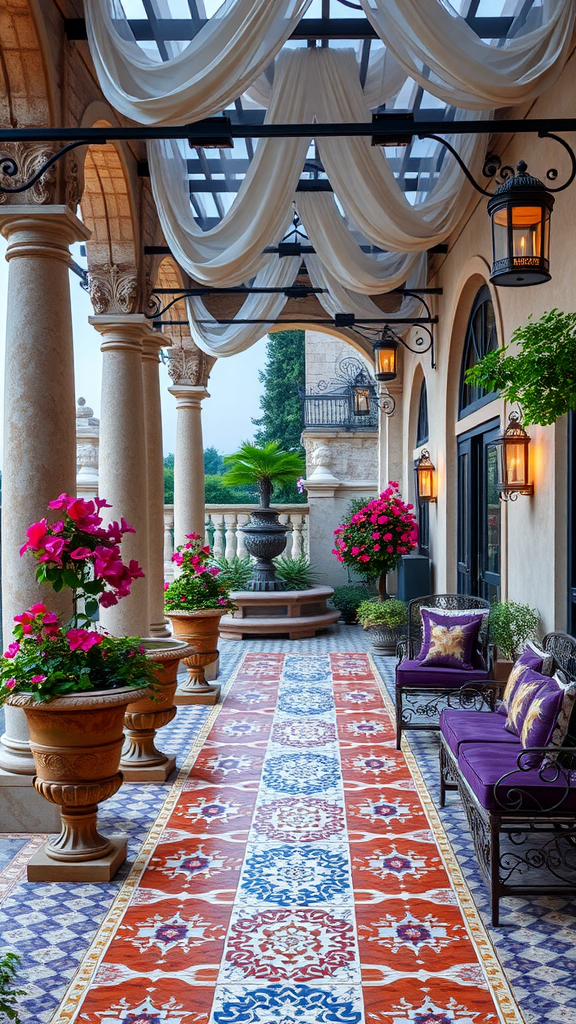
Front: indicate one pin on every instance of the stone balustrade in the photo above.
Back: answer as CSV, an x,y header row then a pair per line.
x,y
226,540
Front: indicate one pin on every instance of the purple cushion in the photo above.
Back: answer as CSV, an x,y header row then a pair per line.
x,y
439,617
452,646
473,727
414,673
483,764
528,659
529,684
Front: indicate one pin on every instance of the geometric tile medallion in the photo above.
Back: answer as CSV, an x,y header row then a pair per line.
x,y
298,875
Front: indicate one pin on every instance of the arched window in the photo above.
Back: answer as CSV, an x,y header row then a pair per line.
x,y
422,426
481,337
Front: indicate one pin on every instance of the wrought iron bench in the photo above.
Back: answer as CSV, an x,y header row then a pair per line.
x,y
422,691
522,818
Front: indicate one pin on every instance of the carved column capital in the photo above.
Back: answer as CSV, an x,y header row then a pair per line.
x,y
113,288
45,231
19,161
188,365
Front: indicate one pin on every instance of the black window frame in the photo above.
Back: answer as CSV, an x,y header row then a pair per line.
x,y
422,426
478,344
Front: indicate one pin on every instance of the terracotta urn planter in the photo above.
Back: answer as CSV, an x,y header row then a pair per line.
x,y
200,629
141,760
76,743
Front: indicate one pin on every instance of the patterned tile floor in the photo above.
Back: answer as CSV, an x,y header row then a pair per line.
x,y
53,925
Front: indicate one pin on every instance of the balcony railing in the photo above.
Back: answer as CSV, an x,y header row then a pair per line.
x,y
337,411
226,540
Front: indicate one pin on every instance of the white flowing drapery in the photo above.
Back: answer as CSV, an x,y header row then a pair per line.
x,y
229,52
219,339
463,69
336,299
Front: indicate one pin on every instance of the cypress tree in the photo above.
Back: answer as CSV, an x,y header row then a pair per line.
x,y
282,416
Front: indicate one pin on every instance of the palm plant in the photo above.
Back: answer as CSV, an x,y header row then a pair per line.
x,y
265,465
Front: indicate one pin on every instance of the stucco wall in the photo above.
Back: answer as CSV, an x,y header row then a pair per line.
x,y
534,530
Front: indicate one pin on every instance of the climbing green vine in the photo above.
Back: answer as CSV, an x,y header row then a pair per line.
x,y
541,375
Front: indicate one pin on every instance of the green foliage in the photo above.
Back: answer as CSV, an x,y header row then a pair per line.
x,y
348,599
216,492
213,462
511,625
169,479
296,573
541,376
266,465
235,572
9,964
393,613
283,374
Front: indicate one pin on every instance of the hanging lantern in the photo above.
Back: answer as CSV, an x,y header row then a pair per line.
x,y
386,355
361,399
520,210
425,471
513,467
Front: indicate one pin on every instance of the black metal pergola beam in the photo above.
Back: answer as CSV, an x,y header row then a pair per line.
x,y
185,29
384,319
211,132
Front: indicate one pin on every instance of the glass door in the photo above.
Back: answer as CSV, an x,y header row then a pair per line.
x,y
478,535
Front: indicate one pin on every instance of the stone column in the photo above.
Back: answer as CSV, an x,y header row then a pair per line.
x,y
39,436
189,506
151,345
123,457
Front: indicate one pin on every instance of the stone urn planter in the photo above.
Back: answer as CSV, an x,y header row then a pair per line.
x,y
76,742
141,760
265,539
384,639
200,629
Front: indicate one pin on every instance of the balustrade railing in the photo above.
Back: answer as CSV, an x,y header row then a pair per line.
x,y
226,539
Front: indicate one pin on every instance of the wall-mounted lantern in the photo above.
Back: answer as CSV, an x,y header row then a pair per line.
x,y
425,477
361,394
386,356
520,210
513,460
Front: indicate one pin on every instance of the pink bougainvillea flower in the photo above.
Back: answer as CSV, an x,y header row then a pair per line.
x,y
375,535
24,618
37,679
355,550
12,649
80,553
37,609
178,558
135,570
62,501
364,558
376,547
36,534
390,549
108,599
10,684
82,639
192,536
166,584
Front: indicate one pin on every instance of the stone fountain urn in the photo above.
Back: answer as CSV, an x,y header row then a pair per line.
x,y
265,539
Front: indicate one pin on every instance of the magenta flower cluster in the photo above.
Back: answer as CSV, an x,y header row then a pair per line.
x,y
77,551
197,586
378,534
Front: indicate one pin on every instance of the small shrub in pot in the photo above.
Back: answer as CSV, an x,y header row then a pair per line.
x,y
347,599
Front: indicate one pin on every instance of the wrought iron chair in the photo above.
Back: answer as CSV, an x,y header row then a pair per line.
x,y
422,692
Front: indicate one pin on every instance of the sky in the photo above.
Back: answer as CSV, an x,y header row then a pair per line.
x,y
234,386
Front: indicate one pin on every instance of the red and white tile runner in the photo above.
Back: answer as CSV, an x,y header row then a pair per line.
x,y
298,875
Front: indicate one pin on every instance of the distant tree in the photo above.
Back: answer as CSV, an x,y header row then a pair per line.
x,y
213,462
282,417
169,479
216,492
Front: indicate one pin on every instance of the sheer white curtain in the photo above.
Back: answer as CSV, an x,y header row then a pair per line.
x,y
336,299
226,339
437,48
233,251
229,52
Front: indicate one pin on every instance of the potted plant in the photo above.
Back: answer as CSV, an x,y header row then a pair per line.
x,y
511,625
74,684
267,466
376,536
9,964
195,602
385,621
347,599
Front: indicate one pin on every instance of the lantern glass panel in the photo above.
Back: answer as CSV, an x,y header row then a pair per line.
x,y
515,462
361,401
385,361
500,234
526,231
425,483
